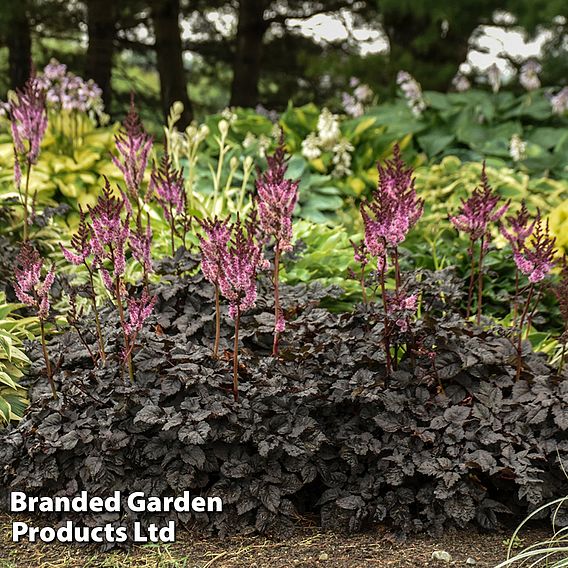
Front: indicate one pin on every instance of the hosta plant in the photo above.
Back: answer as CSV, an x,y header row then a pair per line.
x,y
71,102
14,329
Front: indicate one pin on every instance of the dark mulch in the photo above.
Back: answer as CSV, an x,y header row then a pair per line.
x,y
310,547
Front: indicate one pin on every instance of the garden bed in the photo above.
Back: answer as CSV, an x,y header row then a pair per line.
x,y
310,547
318,431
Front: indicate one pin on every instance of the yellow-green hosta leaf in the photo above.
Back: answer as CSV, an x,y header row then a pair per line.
x,y
13,403
15,372
101,137
5,379
364,124
5,411
6,309
19,325
88,178
85,159
357,185
318,165
86,200
108,169
67,189
6,343
18,355
558,220
404,142
56,162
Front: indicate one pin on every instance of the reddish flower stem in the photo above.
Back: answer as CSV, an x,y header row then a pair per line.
x,y
471,282
47,361
120,308
532,312
26,197
236,357
217,321
127,348
385,324
275,280
363,288
97,318
396,270
172,230
520,338
480,280
516,300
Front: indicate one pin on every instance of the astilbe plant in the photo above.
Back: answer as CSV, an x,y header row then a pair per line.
x,y
81,253
32,291
28,123
213,244
167,185
141,247
133,145
276,200
535,259
518,229
102,247
387,218
110,234
139,310
475,218
241,259
74,316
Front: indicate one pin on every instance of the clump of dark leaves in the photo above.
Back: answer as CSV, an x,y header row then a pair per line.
x,y
315,431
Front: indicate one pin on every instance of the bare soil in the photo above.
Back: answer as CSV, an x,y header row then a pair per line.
x,y
309,548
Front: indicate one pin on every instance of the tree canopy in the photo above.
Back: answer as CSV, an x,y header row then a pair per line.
x,y
208,54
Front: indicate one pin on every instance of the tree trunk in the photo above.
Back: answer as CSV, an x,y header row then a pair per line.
x,y
18,39
248,54
169,53
101,21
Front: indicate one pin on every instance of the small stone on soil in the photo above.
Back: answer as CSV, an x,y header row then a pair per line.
x,y
442,556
